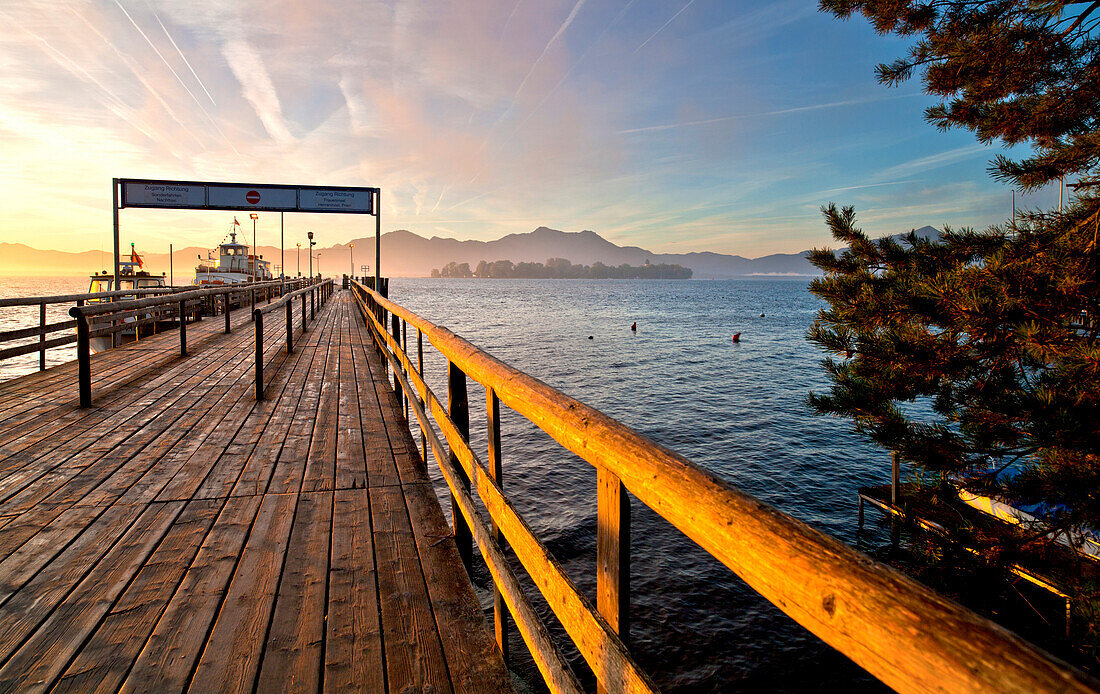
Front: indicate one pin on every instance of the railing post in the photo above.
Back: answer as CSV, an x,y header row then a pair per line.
x,y
83,360
420,369
42,337
405,349
225,307
252,292
458,407
500,611
613,552
312,303
183,328
259,319
303,312
289,327
395,331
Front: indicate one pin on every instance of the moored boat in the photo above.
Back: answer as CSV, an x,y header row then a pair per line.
x,y
233,265
131,276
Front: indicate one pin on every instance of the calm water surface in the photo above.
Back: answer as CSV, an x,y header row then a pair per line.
x,y
736,409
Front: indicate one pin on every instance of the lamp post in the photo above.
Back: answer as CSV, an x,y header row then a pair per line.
x,y
318,263
351,254
255,256
309,235
299,254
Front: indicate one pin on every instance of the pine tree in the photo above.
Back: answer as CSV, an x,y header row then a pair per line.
x,y
983,347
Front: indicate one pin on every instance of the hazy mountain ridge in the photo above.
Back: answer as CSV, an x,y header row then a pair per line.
x,y
405,254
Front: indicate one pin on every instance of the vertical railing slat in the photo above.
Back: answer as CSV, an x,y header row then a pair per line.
x,y
183,328
420,368
458,407
42,337
258,317
492,417
613,552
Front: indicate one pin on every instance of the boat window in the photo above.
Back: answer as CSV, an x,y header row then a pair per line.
x,y
100,286
149,283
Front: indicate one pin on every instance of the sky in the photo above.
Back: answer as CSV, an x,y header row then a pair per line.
x,y
676,125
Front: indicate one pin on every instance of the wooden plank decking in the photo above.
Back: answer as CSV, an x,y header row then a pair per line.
x,y
178,535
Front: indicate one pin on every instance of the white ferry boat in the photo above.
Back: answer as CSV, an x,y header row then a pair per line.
x,y
233,265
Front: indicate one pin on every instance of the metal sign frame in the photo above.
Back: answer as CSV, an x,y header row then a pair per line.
x,y
185,195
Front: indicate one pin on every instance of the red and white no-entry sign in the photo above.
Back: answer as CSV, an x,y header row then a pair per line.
x,y
252,197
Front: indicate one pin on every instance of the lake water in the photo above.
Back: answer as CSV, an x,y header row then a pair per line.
x,y
736,409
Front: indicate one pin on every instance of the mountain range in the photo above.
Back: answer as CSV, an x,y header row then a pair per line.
x,y
405,254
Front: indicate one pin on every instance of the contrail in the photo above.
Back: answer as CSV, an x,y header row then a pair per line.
x,y
670,21
575,65
174,74
546,48
112,102
780,112
182,56
155,50
512,104
137,74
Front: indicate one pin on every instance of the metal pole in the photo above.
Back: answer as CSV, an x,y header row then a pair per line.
x,y
282,261
114,199
255,256
377,237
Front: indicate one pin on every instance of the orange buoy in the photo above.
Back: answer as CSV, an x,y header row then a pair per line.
x,y
634,326
737,337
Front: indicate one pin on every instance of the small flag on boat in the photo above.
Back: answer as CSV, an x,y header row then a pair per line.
x,y
235,222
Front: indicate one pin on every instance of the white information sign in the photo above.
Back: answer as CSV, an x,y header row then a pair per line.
x,y
199,195
163,195
335,200
246,197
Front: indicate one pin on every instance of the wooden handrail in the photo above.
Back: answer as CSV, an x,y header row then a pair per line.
x,y
86,296
906,635
318,292
191,302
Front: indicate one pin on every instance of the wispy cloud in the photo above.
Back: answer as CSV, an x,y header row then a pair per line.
x,y
257,88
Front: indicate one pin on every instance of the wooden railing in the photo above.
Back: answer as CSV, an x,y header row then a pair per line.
x,y
906,635
110,317
318,296
43,329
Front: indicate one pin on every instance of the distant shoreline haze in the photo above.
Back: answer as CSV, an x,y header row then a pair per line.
x,y
405,254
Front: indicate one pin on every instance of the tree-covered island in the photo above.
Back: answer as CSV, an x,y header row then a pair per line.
x,y
560,268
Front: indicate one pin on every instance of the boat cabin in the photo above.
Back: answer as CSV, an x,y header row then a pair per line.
x,y
234,264
129,277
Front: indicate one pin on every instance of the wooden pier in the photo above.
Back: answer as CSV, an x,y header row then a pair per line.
x,y
180,534
238,505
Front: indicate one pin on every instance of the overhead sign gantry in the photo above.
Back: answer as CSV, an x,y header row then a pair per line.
x,y
206,195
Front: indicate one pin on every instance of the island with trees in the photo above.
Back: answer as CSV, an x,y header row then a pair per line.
x,y
562,269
